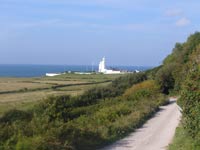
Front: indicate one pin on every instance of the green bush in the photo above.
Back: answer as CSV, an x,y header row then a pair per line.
x,y
190,102
15,115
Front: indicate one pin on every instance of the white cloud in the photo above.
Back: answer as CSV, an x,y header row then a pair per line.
x,y
173,12
183,22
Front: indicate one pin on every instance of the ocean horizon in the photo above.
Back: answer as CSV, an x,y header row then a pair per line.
x,y
35,70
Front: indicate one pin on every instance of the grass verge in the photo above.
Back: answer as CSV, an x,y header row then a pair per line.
x,y
182,141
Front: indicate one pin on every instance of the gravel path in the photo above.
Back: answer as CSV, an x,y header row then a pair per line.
x,y
156,134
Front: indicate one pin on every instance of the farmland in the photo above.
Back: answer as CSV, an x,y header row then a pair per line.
x,y
23,93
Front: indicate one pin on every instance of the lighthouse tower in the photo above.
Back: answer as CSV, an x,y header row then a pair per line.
x,y
102,66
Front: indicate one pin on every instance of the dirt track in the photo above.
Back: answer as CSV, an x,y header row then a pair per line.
x,y
156,134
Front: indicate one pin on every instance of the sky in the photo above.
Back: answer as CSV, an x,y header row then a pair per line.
x,y
81,32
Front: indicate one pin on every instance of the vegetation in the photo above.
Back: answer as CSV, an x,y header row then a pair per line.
x,y
180,74
97,117
190,90
182,141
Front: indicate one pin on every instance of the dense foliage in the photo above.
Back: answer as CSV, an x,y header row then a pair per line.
x,y
173,72
99,116
180,74
190,102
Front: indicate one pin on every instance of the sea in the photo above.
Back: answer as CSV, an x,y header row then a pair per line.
x,y
11,70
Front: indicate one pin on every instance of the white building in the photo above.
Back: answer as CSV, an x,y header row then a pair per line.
x,y
102,68
52,74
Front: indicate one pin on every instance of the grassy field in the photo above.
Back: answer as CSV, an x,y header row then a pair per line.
x,y
23,93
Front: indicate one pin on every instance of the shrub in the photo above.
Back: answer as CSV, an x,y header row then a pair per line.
x,y
144,89
190,103
14,115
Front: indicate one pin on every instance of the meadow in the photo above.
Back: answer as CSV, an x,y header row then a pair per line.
x,y
24,93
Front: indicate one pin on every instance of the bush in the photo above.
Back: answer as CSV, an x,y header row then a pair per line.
x,y
190,103
15,115
144,89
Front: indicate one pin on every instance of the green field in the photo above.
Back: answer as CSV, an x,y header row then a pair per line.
x,y
23,93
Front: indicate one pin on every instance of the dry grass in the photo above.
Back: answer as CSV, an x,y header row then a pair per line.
x,y
54,82
15,86
27,99
82,87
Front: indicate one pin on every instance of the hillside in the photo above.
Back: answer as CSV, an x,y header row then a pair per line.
x,y
180,74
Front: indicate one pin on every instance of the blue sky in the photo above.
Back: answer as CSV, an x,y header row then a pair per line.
x,y
126,32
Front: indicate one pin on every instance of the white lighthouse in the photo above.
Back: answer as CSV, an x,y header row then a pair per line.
x,y
102,68
102,65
